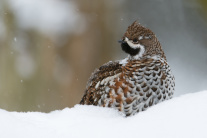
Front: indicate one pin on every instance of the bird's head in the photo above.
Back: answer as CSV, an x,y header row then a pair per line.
x,y
140,42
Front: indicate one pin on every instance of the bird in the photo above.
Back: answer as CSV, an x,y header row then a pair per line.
x,y
135,83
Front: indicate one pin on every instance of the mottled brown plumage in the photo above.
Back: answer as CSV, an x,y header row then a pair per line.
x,y
132,85
152,45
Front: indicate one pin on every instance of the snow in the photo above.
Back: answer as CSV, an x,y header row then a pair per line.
x,y
180,117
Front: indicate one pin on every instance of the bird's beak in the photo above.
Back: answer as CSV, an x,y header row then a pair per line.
x,y
121,41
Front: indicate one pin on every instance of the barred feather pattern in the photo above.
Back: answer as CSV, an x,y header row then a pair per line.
x,y
152,46
132,87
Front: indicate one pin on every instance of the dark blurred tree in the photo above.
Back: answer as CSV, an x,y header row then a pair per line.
x,y
92,48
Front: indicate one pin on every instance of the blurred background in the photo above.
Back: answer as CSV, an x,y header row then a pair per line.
x,y
49,48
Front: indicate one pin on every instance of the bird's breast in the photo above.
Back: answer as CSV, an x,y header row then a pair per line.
x,y
140,85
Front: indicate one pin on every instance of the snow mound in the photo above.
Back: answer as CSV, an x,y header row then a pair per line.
x,y
180,117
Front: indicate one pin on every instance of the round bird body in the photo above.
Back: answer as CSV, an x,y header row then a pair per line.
x,y
135,83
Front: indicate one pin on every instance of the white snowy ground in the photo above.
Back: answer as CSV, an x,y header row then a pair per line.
x,y
180,117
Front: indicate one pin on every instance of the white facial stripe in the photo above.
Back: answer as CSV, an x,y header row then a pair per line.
x,y
147,37
141,52
134,46
141,37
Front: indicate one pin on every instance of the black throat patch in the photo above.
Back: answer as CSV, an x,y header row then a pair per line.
x,y
125,47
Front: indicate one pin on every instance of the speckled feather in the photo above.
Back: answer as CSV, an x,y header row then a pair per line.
x,y
136,84
107,70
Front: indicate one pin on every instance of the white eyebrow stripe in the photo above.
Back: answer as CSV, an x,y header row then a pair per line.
x,y
132,45
141,37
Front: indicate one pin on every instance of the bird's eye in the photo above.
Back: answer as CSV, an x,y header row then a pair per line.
x,y
135,40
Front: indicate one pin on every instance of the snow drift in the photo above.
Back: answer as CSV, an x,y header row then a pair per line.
x,y
180,117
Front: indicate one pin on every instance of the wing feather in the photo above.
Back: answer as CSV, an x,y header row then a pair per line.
x,y
107,70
